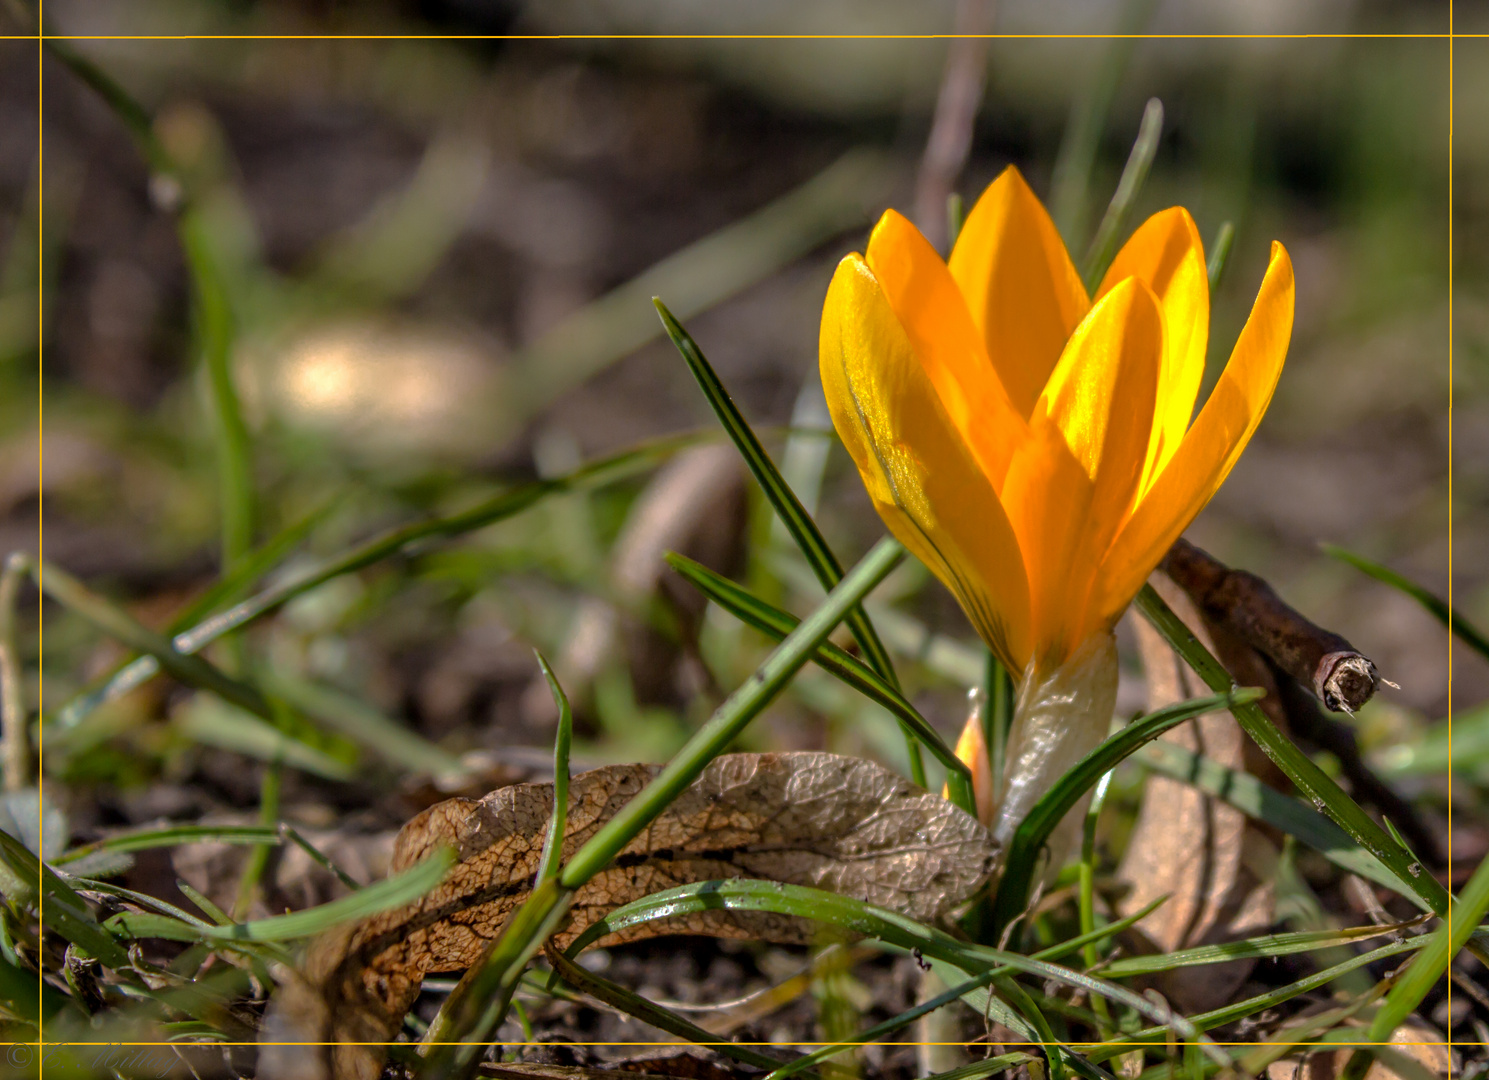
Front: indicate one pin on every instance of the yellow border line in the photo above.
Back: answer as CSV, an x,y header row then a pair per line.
x,y
41,38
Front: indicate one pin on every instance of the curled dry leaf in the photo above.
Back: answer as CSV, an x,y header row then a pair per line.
x,y
1211,863
837,823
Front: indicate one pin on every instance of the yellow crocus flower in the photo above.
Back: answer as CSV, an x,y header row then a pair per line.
x,y
1033,447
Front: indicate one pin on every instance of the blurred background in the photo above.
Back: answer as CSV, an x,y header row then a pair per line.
x,y
436,258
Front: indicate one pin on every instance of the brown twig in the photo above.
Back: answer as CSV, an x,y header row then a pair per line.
x,y
956,109
1247,606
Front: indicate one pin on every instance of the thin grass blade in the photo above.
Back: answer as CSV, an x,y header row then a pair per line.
x,y
1313,782
553,842
775,623
1104,245
473,1013
1428,966
787,506
648,1012
145,839
393,542
403,888
858,917
1256,800
1466,631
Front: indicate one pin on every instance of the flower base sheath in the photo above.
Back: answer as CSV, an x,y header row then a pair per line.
x,y
1032,444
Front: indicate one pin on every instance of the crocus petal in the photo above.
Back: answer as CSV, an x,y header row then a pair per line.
x,y
1212,445
1100,399
922,478
1166,254
971,749
1021,289
930,308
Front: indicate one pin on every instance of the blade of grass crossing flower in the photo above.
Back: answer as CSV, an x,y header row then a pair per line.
x,y
773,622
467,1024
1220,251
787,506
1104,244
1428,966
1469,634
1313,782
1081,140
956,214
553,842
1035,829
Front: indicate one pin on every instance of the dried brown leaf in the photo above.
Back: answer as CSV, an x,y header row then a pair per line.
x,y
1204,855
837,823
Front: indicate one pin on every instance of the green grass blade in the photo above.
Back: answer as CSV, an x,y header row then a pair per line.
x,y
980,1070
1256,800
290,833
869,921
213,327
731,717
1460,746
59,906
1266,947
775,623
787,506
394,541
1032,833
1220,251
1428,966
480,1002
1316,785
118,624
885,1027
395,891
1239,1010
1466,631
1104,245
960,991
15,740
474,1010
553,842
648,1012
144,839
358,721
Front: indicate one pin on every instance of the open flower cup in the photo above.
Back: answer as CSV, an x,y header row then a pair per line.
x,y
1033,446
